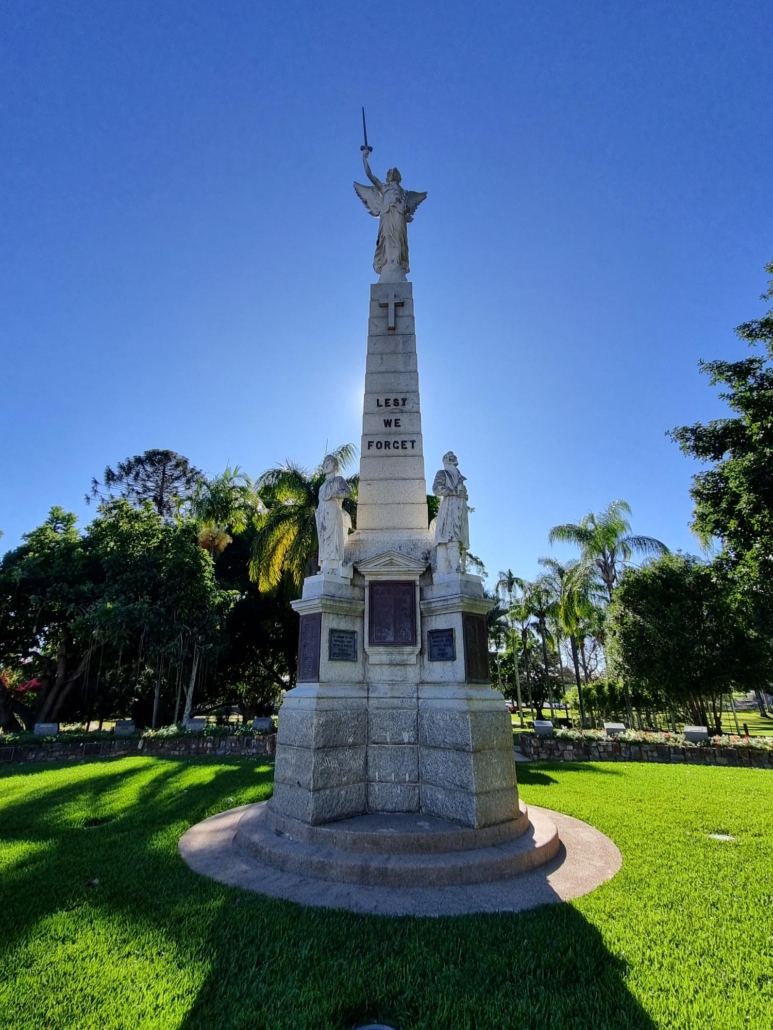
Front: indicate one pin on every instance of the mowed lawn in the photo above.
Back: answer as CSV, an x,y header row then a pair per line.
x,y
103,926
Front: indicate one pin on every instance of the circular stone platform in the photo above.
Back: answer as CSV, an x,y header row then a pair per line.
x,y
403,865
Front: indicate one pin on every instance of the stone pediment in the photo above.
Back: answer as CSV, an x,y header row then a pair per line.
x,y
391,563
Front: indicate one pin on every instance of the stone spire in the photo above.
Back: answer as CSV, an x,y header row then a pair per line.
x,y
392,503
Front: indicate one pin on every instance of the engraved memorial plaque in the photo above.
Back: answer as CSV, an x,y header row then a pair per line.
x,y
441,645
393,613
342,645
309,635
475,648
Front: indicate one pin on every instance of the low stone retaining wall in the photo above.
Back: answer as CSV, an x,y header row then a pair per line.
x,y
169,747
554,749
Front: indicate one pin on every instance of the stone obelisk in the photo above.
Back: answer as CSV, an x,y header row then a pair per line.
x,y
393,711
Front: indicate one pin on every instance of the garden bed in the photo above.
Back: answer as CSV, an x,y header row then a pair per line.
x,y
243,745
593,746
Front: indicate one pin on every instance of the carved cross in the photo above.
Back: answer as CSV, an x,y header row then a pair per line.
x,y
390,304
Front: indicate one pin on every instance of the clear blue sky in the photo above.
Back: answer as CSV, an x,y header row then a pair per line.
x,y
184,263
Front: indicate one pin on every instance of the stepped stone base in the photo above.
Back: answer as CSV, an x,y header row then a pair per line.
x,y
584,858
397,850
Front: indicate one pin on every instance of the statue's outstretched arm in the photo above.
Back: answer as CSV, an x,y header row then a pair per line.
x,y
376,182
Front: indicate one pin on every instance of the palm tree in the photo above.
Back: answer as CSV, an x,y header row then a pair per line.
x,y
606,541
508,583
226,502
541,601
497,630
285,543
575,588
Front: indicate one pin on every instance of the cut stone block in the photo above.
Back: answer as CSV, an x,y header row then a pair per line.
x,y
302,727
393,726
393,763
464,729
543,727
393,797
477,771
319,768
319,806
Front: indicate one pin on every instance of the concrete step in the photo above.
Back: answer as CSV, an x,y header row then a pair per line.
x,y
396,833
532,848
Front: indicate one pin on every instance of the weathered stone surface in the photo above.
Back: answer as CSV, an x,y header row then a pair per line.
x,y
392,516
469,730
319,768
461,806
477,771
393,763
319,806
342,727
393,726
393,797
397,362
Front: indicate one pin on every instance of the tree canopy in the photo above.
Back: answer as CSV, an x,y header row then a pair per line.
x,y
734,497
162,477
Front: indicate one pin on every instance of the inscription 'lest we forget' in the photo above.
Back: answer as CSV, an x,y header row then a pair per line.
x,y
392,445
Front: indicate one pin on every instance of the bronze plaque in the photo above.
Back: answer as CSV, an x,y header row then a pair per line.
x,y
441,646
393,613
475,648
308,647
342,645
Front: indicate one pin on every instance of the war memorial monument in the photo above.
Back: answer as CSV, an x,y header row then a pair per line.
x,y
395,774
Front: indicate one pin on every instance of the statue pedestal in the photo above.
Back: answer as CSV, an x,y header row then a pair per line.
x,y
393,711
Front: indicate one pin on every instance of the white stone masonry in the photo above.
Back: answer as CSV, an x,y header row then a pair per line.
x,y
393,490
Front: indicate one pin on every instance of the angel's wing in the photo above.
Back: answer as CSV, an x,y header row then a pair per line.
x,y
412,201
370,197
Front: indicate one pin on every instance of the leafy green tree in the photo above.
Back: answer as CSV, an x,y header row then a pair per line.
x,y
164,478
259,660
46,588
605,541
678,637
285,545
734,496
135,589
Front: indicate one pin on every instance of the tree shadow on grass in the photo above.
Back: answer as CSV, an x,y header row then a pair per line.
x,y
97,837
277,965
256,962
539,772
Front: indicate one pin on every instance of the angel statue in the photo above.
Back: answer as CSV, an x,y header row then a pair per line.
x,y
333,523
394,207
452,530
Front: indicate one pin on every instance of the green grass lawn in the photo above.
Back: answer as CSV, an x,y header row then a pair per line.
x,y
103,926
